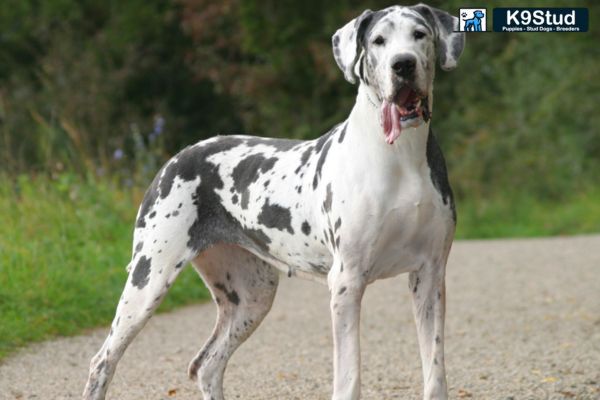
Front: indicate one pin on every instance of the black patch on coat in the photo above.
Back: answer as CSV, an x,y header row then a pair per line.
x,y
439,173
332,239
141,271
304,159
234,199
247,172
322,148
343,133
186,166
364,31
275,216
328,199
320,162
306,228
213,223
306,155
245,199
441,50
278,144
361,68
138,248
363,25
323,139
232,295
458,44
150,198
337,225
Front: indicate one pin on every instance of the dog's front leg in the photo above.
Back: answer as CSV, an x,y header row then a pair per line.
x,y
429,306
347,287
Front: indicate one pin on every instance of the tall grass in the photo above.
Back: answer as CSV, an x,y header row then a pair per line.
x,y
64,245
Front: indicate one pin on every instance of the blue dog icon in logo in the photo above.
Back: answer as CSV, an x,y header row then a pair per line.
x,y
474,24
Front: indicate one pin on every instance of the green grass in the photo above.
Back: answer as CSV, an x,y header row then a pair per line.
x,y
64,245
65,242
524,215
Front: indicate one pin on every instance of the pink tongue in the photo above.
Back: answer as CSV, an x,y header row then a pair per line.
x,y
390,116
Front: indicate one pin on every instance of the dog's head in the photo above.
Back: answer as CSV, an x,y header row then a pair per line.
x,y
393,52
478,14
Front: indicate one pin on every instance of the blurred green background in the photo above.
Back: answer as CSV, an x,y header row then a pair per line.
x,y
95,96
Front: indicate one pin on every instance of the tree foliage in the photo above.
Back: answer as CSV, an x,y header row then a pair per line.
x,y
82,79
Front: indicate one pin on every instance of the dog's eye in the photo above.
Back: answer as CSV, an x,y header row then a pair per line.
x,y
379,40
418,35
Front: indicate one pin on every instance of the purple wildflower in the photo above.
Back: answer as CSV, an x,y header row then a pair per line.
x,y
118,154
159,124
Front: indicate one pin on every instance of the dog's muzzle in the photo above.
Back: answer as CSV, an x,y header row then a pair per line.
x,y
406,107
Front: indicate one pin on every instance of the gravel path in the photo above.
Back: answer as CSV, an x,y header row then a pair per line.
x,y
523,323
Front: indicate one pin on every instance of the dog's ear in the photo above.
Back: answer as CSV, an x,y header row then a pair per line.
x,y
449,43
347,43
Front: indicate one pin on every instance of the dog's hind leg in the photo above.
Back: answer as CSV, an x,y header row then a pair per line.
x,y
243,287
157,261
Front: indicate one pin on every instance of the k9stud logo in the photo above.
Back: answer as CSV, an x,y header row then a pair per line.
x,y
540,19
472,20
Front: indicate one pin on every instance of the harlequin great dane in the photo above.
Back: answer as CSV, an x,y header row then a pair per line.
x,y
370,199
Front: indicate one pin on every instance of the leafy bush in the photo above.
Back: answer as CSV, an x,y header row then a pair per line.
x,y
82,80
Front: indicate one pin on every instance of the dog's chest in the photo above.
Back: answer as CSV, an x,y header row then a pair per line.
x,y
413,231
395,219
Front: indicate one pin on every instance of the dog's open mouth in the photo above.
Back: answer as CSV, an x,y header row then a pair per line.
x,y
405,106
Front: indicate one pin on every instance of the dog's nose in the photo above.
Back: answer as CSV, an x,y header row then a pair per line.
x,y
404,65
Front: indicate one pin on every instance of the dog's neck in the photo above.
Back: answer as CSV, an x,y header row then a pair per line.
x,y
367,131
